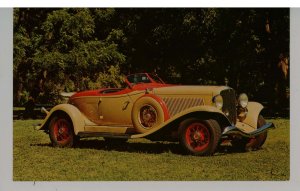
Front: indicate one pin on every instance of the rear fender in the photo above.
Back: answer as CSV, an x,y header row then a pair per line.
x,y
75,115
190,112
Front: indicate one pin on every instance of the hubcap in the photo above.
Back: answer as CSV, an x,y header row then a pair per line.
x,y
197,136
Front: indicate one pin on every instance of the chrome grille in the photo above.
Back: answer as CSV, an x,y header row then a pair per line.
x,y
178,104
229,104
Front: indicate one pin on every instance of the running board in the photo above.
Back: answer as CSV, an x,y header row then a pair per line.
x,y
231,130
98,134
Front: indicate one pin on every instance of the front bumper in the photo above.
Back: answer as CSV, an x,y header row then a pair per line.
x,y
233,130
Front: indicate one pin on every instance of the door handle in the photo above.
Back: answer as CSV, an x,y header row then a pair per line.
x,y
100,100
99,110
125,105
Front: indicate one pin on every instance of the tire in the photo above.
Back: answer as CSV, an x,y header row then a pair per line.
x,y
61,131
258,141
147,114
199,137
254,143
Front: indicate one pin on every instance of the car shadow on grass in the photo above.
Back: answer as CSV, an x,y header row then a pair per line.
x,y
139,147
132,147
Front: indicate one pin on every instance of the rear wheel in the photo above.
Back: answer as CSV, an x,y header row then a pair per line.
x,y
199,137
61,131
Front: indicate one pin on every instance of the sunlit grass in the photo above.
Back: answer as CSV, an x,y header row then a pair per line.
x,y
35,160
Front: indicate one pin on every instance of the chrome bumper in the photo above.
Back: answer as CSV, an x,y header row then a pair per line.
x,y
231,130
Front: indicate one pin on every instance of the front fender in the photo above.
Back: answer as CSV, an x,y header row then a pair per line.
x,y
74,114
186,113
254,110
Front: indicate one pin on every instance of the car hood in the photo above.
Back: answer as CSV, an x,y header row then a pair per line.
x,y
190,90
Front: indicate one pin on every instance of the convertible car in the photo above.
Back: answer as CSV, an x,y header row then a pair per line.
x,y
200,118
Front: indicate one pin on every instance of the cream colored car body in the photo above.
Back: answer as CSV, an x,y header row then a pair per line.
x,y
109,114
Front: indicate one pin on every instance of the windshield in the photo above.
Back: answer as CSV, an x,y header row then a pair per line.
x,y
143,78
138,78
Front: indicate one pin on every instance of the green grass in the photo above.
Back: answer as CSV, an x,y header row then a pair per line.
x,y
35,160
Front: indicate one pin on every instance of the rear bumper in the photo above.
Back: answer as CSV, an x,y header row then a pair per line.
x,y
233,130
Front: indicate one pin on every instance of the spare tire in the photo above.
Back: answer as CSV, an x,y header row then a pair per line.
x,y
148,112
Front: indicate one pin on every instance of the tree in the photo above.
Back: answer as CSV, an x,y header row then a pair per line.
x,y
75,49
66,53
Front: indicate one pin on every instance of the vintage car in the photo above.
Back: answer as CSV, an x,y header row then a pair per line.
x,y
200,117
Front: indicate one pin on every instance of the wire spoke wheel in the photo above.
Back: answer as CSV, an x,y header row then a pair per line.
x,y
197,136
61,131
253,143
148,116
148,112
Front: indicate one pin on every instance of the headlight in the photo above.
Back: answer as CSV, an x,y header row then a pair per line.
x,y
218,101
243,100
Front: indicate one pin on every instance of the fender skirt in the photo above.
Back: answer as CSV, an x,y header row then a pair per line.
x,y
230,130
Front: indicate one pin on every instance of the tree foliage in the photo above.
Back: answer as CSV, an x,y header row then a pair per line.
x,y
76,49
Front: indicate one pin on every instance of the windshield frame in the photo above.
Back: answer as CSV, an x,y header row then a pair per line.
x,y
150,78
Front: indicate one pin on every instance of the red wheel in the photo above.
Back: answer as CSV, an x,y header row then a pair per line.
x,y
61,131
255,143
199,137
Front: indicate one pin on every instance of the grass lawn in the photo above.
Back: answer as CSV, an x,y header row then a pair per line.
x,y
35,160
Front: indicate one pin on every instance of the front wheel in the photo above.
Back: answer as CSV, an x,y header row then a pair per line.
x,y
61,131
199,137
253,143
257,142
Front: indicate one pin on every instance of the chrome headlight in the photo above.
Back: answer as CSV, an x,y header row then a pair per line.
x,y
218,101
243,100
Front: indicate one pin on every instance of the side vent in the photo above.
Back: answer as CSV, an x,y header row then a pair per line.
x,y
178,104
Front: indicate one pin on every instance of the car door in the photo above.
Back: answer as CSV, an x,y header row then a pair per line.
x,y
115,110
